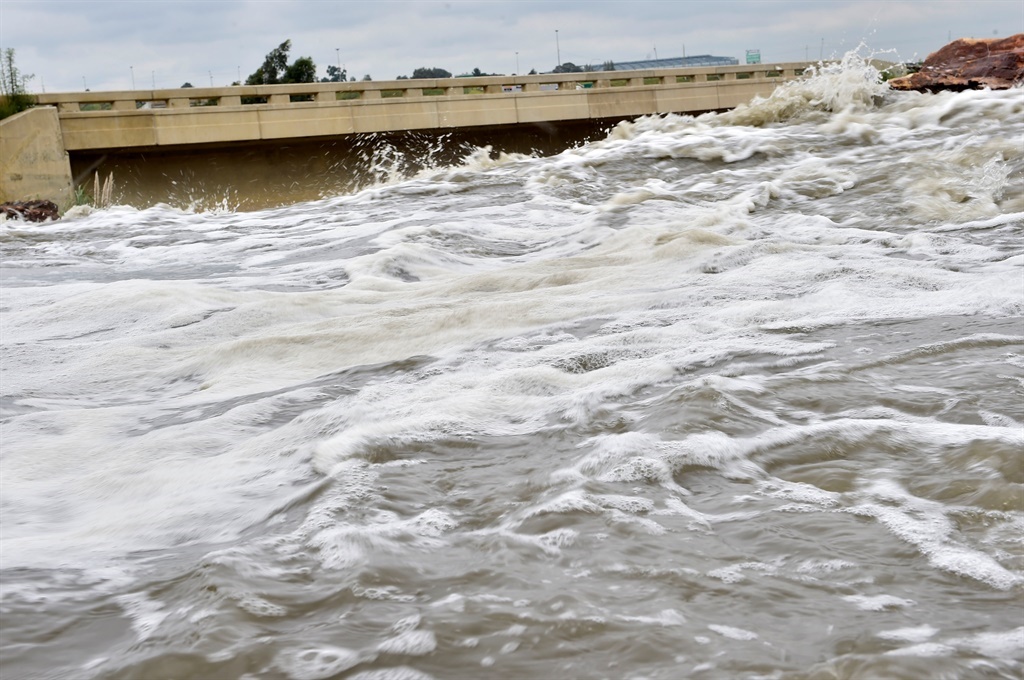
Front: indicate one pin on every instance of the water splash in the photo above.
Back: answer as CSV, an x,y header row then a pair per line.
x,y
853,82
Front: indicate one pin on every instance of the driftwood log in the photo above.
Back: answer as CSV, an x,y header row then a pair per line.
x,y
30,211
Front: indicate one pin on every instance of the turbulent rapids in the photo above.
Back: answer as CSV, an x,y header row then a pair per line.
x,y
735,396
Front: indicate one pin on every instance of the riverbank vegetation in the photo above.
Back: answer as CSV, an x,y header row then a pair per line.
x,y
14,96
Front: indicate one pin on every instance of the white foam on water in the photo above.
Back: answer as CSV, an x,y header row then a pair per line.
x,y
878,603
733,633
114,498
799,492
733,573
823,566
666,617
1001,645
925,649
997,644
316,663
345,545
913,634
258,606
393,673
145,614
925,525
410,643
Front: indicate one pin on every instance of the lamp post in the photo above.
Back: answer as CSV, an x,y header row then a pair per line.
x,y
337,51
132,69
558,49
517,63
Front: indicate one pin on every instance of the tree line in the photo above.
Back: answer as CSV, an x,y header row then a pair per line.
x,y
275,69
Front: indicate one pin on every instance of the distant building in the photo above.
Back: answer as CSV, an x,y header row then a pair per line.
x,y
671,62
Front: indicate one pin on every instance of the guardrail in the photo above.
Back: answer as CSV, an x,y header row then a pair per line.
x,y
366,91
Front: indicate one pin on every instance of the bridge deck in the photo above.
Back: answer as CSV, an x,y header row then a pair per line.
x,y
141,119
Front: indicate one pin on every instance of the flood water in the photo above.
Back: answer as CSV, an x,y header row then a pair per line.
x,y
739,396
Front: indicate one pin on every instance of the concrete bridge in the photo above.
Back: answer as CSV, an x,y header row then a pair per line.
x,y
40,148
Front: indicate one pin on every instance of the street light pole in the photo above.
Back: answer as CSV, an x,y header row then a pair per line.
x,y
132,69
337,51
558,49
517,63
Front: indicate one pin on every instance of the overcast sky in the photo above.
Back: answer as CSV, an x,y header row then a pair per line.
x,y
69,44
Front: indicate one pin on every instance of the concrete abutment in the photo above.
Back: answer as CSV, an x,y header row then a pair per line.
x,y
34,163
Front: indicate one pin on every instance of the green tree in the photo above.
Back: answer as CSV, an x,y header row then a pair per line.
x,y
186,84
302,70
424,72
274,65
14,96
335,75
568,67
276,69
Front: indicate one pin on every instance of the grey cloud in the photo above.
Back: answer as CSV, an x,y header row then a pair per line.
x,y
175,41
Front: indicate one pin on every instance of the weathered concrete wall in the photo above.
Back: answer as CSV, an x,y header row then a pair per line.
x,y
35,163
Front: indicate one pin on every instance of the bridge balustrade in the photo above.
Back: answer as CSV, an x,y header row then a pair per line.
x,y
350,93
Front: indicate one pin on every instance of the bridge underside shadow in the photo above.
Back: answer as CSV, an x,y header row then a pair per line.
x,y
257,175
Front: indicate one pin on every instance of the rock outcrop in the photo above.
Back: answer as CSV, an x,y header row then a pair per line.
x,y
969,64
31,211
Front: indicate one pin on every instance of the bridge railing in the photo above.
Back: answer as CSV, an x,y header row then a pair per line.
x,y
337,93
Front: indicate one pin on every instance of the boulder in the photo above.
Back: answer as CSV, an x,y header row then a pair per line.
x,y
969,64
30,211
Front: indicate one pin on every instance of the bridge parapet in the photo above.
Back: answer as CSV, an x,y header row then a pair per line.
x,y
349,94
